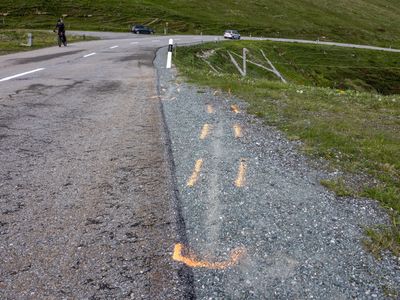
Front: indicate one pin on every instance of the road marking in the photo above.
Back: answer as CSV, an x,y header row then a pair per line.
x,y
195,175
240,180
134,43
205,131
192,261
235,108
237,131
210,109
21,74
91,54
113,47
155,41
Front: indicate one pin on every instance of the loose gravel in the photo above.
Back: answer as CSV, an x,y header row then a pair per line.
x,y
301,241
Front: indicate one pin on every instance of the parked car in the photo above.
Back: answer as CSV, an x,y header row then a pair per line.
x,y
141,29
232,34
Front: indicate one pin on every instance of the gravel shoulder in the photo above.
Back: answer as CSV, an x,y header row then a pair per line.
x,y
301,240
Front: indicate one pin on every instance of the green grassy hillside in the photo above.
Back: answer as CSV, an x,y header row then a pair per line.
x,y
361,21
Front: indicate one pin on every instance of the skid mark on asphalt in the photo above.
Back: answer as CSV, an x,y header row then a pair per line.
x,y
196,172
205,131
237,130
241,176
187,257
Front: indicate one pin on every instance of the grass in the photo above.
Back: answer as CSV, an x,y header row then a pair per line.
x,y
343,104
15,40
358,21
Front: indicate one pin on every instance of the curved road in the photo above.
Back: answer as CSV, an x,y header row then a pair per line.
x,y
85,186
92,206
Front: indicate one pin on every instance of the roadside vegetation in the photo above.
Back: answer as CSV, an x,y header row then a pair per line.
x,y
343,104
16,40
358,21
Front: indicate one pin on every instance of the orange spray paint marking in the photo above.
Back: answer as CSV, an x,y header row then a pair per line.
x,y
237,131
210,109
240,180
195,175
235,108
192,261
205,131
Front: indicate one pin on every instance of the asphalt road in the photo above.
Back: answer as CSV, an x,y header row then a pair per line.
x,y
119,181
86,195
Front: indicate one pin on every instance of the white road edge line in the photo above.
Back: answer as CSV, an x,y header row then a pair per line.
x,y
91,54
113,47
21,74
134,43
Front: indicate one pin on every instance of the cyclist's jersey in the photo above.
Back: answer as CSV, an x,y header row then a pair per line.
x,y
60,27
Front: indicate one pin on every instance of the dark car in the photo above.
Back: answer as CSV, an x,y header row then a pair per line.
x,y
141,29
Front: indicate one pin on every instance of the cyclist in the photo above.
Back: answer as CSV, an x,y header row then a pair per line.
x,y
60,27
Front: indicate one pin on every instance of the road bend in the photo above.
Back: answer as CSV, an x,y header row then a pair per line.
x,y
106,194
86,202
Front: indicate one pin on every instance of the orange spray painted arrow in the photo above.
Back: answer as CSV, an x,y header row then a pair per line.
x,y
192,261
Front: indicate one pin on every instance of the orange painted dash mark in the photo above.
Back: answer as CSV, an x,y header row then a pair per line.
x,y
235,108
210,109
237,130
240,180
205,131
192,261
195,175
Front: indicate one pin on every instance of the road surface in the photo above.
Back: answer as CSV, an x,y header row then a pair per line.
x,y
86,201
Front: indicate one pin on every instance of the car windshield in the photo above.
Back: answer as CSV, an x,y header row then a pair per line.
x,y
139,26
234,31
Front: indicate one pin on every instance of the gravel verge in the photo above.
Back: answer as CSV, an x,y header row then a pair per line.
x,y
301,240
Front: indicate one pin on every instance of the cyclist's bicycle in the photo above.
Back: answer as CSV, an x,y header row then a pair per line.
x,y
62,40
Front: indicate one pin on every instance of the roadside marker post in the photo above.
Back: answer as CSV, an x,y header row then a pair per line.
x,y
169,57
29,40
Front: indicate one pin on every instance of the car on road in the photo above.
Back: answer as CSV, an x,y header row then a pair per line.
x,y
232,34
141,29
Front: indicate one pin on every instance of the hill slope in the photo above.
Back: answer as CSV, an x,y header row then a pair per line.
x,y
360,21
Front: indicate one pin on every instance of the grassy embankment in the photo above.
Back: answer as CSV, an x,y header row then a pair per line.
x,y
358,21
15,40
343,104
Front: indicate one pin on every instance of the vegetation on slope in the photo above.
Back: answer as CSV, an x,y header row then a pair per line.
x,y
355,128
358,21
15,40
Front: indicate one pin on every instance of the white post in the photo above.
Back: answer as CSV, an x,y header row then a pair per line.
x,y
244,62
169,58
29,39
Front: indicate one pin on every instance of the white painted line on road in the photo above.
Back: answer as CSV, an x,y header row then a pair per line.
x,y
21,74
113,47
91,54
134,43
